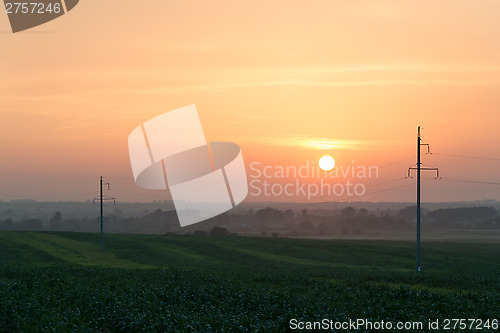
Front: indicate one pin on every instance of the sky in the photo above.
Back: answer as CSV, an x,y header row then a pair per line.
x,y
288,81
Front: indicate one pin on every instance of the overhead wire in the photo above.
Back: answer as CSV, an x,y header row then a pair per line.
x,y
470,157
470,181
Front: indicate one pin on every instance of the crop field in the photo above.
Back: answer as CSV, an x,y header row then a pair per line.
x,y
61,282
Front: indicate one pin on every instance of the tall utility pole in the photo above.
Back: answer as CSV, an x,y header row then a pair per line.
x,y
101,199
419,168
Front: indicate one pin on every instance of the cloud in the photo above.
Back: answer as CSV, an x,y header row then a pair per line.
x,y
365,75
156,81
311,142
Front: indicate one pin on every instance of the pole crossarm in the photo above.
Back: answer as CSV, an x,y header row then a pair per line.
x,y
423,169
104,199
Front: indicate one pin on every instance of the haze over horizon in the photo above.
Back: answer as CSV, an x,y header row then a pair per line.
x,y
288,81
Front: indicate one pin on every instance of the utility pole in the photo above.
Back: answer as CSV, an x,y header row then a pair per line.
x,y
419,168
101,199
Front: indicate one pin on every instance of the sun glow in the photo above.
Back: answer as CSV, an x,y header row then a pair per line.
x,y
326,163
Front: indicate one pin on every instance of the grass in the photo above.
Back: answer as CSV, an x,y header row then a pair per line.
x,y
169,283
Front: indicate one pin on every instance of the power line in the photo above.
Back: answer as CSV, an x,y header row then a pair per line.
x,y
46,182
141,195
465,126
18,197
400,186
471,157
346,196
394,163
470,181
386,182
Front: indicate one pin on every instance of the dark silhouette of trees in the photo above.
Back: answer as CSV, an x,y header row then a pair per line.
x,y
348,212
289,215
268,220
56,222
479,216
30,224
306,226
217,231
268,214
8,224
363,212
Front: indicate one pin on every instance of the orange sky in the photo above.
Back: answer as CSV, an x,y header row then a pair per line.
x,y
283,79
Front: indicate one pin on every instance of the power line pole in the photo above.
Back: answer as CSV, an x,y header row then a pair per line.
x,y
419,168
101,199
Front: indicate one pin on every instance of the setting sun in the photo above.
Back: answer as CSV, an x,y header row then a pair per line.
x,y
326,163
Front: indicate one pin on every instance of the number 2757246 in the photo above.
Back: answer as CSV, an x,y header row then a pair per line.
x,y
32,8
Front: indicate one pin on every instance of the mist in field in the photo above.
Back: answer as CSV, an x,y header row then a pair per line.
x,y
367,220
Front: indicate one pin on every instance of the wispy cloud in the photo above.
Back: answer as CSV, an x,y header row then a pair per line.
x,y
160,82
366,75
311,142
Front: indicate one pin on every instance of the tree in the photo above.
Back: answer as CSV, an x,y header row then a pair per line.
x,y
216,231
55,222
305,216
57,217
363,212
8,224
289,215
348,212
265,214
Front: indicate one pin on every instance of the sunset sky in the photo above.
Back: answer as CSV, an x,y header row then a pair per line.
x,y
288,81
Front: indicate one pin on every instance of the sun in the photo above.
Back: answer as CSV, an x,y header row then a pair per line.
x,y
326,163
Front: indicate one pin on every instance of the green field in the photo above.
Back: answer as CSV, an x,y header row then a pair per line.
x,y
168,283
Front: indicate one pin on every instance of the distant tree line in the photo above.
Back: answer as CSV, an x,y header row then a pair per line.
x,y
271,221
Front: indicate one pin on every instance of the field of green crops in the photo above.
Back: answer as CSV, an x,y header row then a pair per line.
x,y
62,282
